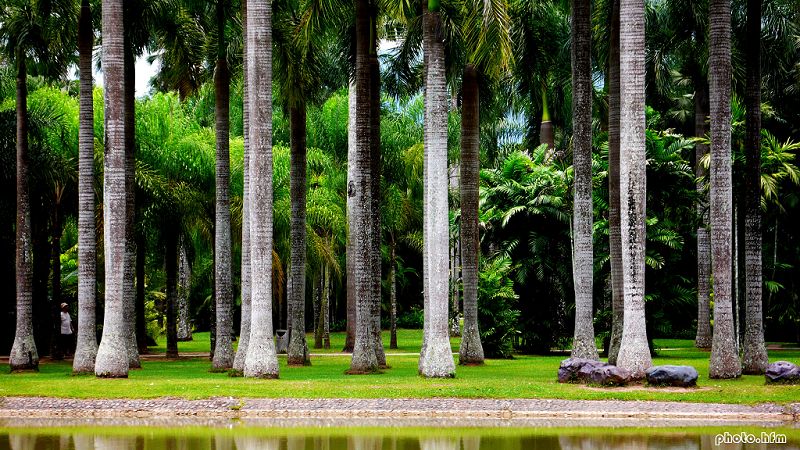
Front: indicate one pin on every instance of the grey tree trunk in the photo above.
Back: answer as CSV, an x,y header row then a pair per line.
x,y
112,354
437,359
614,225
755,353
634,353
298,348
23,354
392,295
350,337
244,330
316,299
360,188
583,345
86,347
223,350
375,186
171,274
261,361
724,356
703,337
129,283
184,286
322,332
141,327
471,351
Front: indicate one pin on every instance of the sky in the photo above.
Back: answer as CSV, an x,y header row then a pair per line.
x,y
144,72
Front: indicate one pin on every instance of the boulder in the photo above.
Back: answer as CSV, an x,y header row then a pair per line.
x,y
681,376
608,375
783,372
577,369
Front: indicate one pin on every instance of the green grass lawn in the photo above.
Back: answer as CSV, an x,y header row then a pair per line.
x,y
522,377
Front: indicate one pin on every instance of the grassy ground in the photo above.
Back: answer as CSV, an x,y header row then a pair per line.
x,y
522,377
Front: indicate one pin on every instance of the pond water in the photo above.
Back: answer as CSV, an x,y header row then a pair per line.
x,y
36,435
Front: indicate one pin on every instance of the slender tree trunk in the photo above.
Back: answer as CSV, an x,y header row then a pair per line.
x,y
184,287
223,352
471,350
171,274
244,330
614,226
350,337
261,361
129,282
298,348
393,295
58,352
317,301
141,326
112,355
23,354
326,322
755,352
634,353
546,132
360,188
724,357
86,347
583,345
319,334
703,337
437,360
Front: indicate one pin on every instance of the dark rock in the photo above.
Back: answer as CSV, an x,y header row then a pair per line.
x,y
577,369
681,376
608,375
783,372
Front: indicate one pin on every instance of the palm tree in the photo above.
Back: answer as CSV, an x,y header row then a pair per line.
x,y
755,353
112,355
583,345
436,359
724,355
489,51
614,228
31,30
261,360
171,263
634,354
246,283
223,350
86,348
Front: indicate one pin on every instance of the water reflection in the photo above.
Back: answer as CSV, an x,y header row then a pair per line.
x,y
358,439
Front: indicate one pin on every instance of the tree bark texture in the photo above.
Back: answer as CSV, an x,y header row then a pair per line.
x,y
614,225
141,326
393,296
471,350
437,360
184,287
350,336
23,354
634,353
86,347
755,353
298,348
112,354
724,356
171,262
583,345
261,361
223,351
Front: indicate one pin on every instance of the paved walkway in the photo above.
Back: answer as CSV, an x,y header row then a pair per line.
x,y
441,408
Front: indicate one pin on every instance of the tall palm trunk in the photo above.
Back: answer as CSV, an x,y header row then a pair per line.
x,y
298,348
614,230
223,351
724,356
634,353
393,295
375,186
321,336
755,353
141,327
583,345
129,281
184,286
112,355
23,354
171,262
471,350
86,347
350,336
246,283
703,337
437,360
360,188
261,360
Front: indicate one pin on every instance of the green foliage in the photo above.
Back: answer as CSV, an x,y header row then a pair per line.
x,y
497,314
